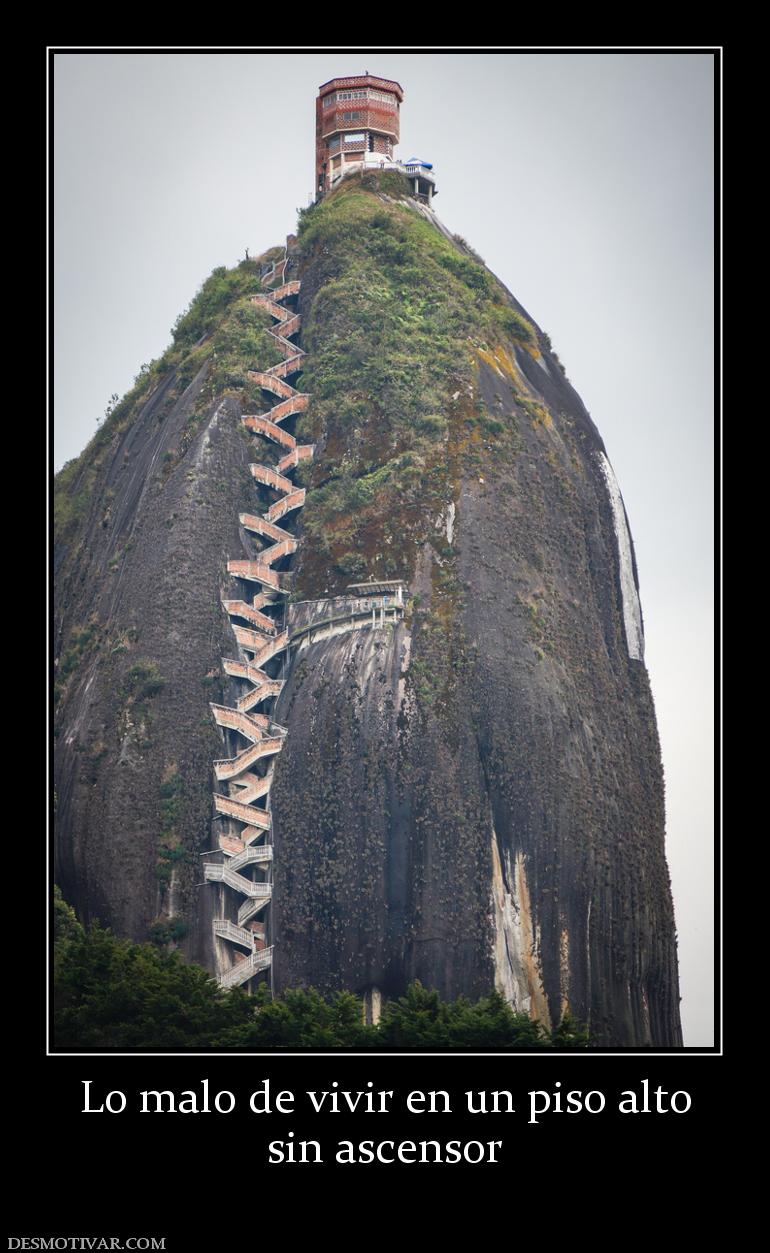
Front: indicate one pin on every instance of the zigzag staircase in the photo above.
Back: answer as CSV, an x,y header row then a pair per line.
x,y
244,804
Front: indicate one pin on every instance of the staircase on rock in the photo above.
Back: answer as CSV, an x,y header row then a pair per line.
x,y
243,804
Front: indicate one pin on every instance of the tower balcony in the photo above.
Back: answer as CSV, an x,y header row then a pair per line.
x,y
419,173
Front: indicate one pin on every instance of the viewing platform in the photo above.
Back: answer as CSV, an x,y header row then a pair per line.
x,y
419,173
364,606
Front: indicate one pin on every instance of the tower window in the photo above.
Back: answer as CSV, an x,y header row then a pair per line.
x,y
385,96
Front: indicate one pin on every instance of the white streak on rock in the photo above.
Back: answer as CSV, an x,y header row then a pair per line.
x,y
203,447
372,1006
516,951
450,521
564,970
446,522
406,649
632,613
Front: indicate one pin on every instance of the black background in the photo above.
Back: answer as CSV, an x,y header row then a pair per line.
x,y
205,1178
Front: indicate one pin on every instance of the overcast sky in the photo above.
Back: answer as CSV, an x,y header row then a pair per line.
x,y
586,183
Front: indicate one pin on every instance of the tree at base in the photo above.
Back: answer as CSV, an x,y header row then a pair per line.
x,y
111,993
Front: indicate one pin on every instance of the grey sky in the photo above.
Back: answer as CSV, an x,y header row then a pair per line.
x,y
586,183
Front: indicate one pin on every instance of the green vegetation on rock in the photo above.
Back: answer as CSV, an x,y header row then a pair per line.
x,y
219,329
170,848
143,681
80,643
396,315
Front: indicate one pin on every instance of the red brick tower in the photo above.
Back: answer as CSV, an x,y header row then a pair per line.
x,y
356,124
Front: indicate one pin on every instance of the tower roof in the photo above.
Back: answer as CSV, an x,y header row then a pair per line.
x,y
363,80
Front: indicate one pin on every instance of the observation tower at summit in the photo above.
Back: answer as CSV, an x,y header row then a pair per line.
x,y
357,127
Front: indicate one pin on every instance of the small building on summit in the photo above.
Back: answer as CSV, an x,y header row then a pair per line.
x,y
357,127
